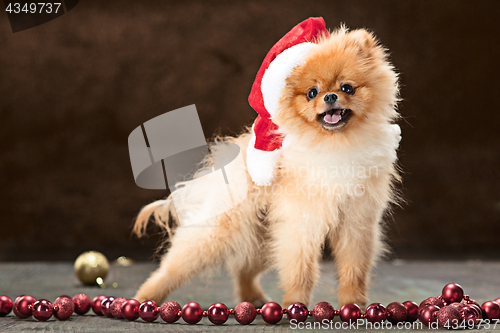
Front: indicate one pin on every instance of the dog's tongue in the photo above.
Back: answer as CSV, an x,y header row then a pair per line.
x,y
332,117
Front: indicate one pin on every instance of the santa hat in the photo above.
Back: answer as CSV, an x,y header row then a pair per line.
x,y
289,52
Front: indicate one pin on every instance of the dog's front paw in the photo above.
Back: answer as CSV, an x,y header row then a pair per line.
x,y
142,297
260,301
353,299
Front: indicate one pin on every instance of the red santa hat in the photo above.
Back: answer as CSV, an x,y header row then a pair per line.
x,y
289,52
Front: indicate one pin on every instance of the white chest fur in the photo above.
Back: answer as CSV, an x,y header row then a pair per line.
x,y
345,169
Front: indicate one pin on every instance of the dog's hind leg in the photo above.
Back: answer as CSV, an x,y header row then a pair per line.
x,y
193,249
248,288
246,278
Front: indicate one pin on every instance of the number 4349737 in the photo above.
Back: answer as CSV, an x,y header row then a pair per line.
x,y
33,7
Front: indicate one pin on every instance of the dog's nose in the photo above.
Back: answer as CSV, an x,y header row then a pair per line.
x,y
330,98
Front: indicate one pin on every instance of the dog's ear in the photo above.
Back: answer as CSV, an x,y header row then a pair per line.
x,y
367,45
364,40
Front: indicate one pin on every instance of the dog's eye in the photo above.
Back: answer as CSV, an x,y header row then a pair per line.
x,y
312,93
348,89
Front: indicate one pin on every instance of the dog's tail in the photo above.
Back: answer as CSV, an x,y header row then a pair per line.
x,y
162,213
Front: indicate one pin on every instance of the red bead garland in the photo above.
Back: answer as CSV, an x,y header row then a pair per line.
x,y
452,292
412,309
350,313
376,313
106,306
491,310
5,305
297,311
450,307
245,313
322,311
170,311
149,311
429,314
130,309
430,301
42,310
63,307
218,313
116,307
192,313
448,315
271,312
22,306
96,304
396,312
82,304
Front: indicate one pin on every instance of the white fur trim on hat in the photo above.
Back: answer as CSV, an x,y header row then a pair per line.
x,y
261,164
273,80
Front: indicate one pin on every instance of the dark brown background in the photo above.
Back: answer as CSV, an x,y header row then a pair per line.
x,y
73,89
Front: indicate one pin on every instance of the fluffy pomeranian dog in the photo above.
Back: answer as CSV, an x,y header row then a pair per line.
x,y
333,183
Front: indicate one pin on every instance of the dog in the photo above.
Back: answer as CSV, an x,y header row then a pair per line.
x,y
333,183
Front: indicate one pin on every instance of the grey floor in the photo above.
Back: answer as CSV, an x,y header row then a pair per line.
x,y
393,281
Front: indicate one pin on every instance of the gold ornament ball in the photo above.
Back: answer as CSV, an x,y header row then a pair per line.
x,y
91,265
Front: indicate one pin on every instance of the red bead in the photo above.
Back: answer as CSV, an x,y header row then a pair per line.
x,y
271,312
63,307
245,313
477,309
448,316
5,305
322,311
431,301
96,304
396,312
413,311
497,300
452,292
469,314
298,312
376,313
42,310
192,312
170,311
218,313
149,311
350,313
458,305
491,310
22,306
82,304
116,307
471,301
428,315
106,306
130,309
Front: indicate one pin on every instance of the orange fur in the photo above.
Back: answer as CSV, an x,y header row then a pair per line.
x,y
313,198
